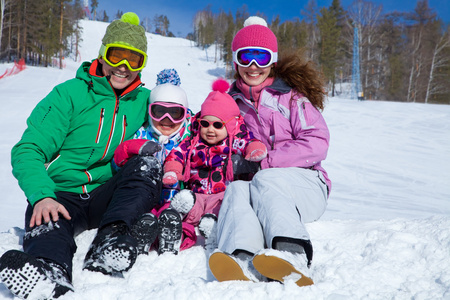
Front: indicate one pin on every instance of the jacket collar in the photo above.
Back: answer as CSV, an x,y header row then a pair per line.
x,y
278,86
91,72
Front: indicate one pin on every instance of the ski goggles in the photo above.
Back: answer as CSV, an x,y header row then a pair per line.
x,y
160,110
216,124
263,57
118,54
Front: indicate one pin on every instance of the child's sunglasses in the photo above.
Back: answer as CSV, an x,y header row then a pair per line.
x,y
118,54
263,57
160,110
216,124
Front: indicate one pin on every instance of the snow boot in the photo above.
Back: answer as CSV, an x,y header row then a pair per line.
x,y
227,267
170,231
208,229
183,201
207,225
145,231
28,277
282,266
295,246
112,252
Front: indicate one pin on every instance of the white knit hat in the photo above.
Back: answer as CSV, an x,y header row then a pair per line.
x,y
169,93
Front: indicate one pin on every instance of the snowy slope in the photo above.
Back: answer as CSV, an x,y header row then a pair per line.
x,y
385,234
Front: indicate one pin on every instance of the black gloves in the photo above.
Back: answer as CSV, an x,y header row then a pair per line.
x,y
243,168
149,148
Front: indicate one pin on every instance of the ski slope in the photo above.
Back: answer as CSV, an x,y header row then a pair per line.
x,y
385,234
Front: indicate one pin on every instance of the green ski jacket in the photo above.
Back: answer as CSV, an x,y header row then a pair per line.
x,y
72,133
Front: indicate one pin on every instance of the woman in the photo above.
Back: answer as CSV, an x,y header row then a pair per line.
x,y
261,231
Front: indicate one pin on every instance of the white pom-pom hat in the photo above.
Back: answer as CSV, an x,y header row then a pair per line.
x,y
255,20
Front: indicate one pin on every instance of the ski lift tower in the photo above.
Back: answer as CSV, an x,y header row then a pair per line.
x,y
357,92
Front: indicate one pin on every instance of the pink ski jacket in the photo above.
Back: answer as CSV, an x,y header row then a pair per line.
x,y
208,163
295,135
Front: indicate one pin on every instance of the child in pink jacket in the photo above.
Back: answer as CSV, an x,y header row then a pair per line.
x,y
204,161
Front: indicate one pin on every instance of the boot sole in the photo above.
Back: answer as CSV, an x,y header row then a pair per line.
x,y
114,257
225,268
170,231
145,232
23,275
276,268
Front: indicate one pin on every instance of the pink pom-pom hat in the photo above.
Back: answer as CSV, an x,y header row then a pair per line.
x,y
221,105
220,85
255,34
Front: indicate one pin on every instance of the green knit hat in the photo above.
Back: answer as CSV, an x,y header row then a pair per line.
x,y
126,31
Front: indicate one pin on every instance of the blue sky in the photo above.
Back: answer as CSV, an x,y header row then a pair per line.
x,y
180,13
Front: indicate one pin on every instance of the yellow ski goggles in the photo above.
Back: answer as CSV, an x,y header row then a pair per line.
x,y
118,54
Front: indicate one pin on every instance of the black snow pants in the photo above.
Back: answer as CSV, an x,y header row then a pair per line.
x,y
134,190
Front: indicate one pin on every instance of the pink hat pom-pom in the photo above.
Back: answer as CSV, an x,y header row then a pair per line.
x,y
220,85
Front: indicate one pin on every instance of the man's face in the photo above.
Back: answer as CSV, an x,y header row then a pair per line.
x,y
120,76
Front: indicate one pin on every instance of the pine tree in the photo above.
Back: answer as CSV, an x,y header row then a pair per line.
x,y
330,33
312,34
228,39
392,83
94,5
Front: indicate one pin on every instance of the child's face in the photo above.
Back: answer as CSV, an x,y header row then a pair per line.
x,y
211,134
120,76
166,126
254,75
167,117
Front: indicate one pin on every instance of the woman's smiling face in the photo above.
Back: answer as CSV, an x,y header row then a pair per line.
x,y
254,75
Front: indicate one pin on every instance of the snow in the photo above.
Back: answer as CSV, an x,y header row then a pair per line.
x,y
385,234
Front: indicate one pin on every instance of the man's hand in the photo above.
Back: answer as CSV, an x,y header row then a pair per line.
x,y
149,148
45,209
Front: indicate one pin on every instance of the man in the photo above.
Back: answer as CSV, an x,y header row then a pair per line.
x,y
62,164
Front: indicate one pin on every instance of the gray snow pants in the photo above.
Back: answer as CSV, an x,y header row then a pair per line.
x,y
276,203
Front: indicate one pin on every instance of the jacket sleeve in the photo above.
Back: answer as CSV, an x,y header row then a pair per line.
x,y
46,130
242,139
309,144
127,150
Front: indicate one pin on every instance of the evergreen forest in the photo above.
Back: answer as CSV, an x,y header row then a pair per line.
x,y
402,56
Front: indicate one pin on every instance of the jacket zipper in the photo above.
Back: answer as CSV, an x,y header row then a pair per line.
x,y
100,125
108,144
89,176
251,106
111,133
271,141
124,128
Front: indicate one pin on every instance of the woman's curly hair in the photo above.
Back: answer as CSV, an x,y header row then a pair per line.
x,y
302,76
